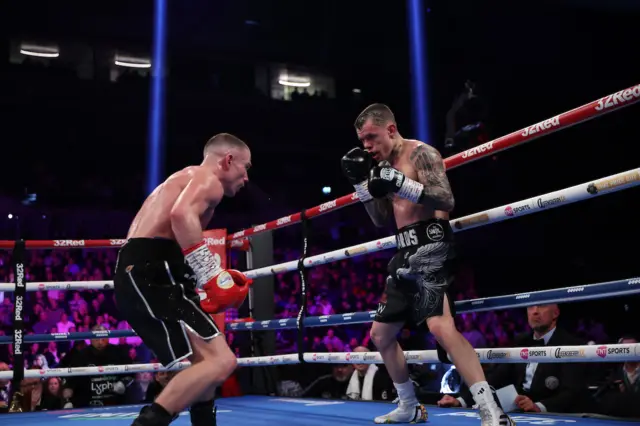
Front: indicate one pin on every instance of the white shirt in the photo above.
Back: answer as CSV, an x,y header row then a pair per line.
x,y
532,366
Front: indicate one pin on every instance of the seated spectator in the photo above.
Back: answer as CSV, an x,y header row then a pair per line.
x,y
160,380
331,386
101,390
64,324
471,333
77,303
333,342
52,355
31,390
620,395
51,397
369,383
5,390
553,387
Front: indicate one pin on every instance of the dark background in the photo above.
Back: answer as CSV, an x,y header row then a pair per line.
x,y
80,143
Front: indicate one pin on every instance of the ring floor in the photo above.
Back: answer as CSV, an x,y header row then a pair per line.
x,y
263,411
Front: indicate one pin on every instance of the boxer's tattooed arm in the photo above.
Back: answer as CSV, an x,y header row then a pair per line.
x,y
379,210
432,174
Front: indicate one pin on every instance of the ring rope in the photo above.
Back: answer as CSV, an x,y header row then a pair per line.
x,y
570,118
519,300
603,186
586,112
60,285
607,185
547,354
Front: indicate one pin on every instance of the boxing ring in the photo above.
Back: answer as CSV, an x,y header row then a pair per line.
x,y
267,410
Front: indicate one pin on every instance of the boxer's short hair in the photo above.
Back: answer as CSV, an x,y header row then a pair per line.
x,y
224,140
380,114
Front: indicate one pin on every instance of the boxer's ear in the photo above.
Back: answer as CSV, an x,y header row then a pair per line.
x,y
226,161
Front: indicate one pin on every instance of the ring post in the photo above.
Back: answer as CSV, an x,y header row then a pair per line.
x,y
18,325
261,306
302,313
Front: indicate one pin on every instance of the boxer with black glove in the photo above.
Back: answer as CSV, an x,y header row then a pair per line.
x,y
409,183
385,180
355,166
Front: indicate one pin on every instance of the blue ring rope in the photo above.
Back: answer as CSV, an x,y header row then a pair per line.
x,y
560,295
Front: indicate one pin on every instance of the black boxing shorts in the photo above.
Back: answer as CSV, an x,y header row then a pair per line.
x,y
156,294
419,274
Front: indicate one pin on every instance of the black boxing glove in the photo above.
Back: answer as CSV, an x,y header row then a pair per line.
x,y
355,166
384,180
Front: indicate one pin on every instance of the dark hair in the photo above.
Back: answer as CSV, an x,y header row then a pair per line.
x,y
225,140
380,114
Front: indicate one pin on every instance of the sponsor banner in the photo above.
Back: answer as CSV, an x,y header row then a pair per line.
x,y
355,250
480,149
562,352
470,221
615,351
548,201
613,182
519,208
68,243
534,354
618,98
542,126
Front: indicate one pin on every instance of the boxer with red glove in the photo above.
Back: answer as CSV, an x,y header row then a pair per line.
x,y
162,268
224,288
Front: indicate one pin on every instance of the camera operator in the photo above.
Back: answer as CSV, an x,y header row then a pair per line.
x,y
465,125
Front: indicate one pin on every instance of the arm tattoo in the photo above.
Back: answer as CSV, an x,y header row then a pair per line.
x,y
431,173
379,210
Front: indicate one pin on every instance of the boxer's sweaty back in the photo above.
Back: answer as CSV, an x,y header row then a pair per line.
x,y
153,220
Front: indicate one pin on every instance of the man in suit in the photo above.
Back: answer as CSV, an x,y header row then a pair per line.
x,y
620,395
541,387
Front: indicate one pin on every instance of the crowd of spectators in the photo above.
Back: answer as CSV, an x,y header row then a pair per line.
x,y
349,285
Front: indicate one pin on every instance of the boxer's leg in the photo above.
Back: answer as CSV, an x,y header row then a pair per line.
x,y
189,386
457,346
464,357
201,412
384,336
391,316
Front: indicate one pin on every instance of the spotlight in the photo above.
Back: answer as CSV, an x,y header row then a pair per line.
x,y
326,190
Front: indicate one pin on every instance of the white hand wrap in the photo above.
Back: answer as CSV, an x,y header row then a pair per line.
x,y
362,189
203,263
411,190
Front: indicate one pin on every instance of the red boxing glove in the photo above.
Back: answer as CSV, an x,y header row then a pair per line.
x,y
223,294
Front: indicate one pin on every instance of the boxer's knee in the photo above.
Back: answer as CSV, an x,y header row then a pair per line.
x,y
216,355
443,329
229,363
383,335
221,367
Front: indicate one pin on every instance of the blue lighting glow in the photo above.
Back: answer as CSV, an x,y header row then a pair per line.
x,y
155,151
419,77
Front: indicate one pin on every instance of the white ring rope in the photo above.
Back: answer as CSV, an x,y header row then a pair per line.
x,y
607,185
546,354
603,186
61,285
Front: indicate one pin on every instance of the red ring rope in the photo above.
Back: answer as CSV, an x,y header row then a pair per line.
x,y
237,240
